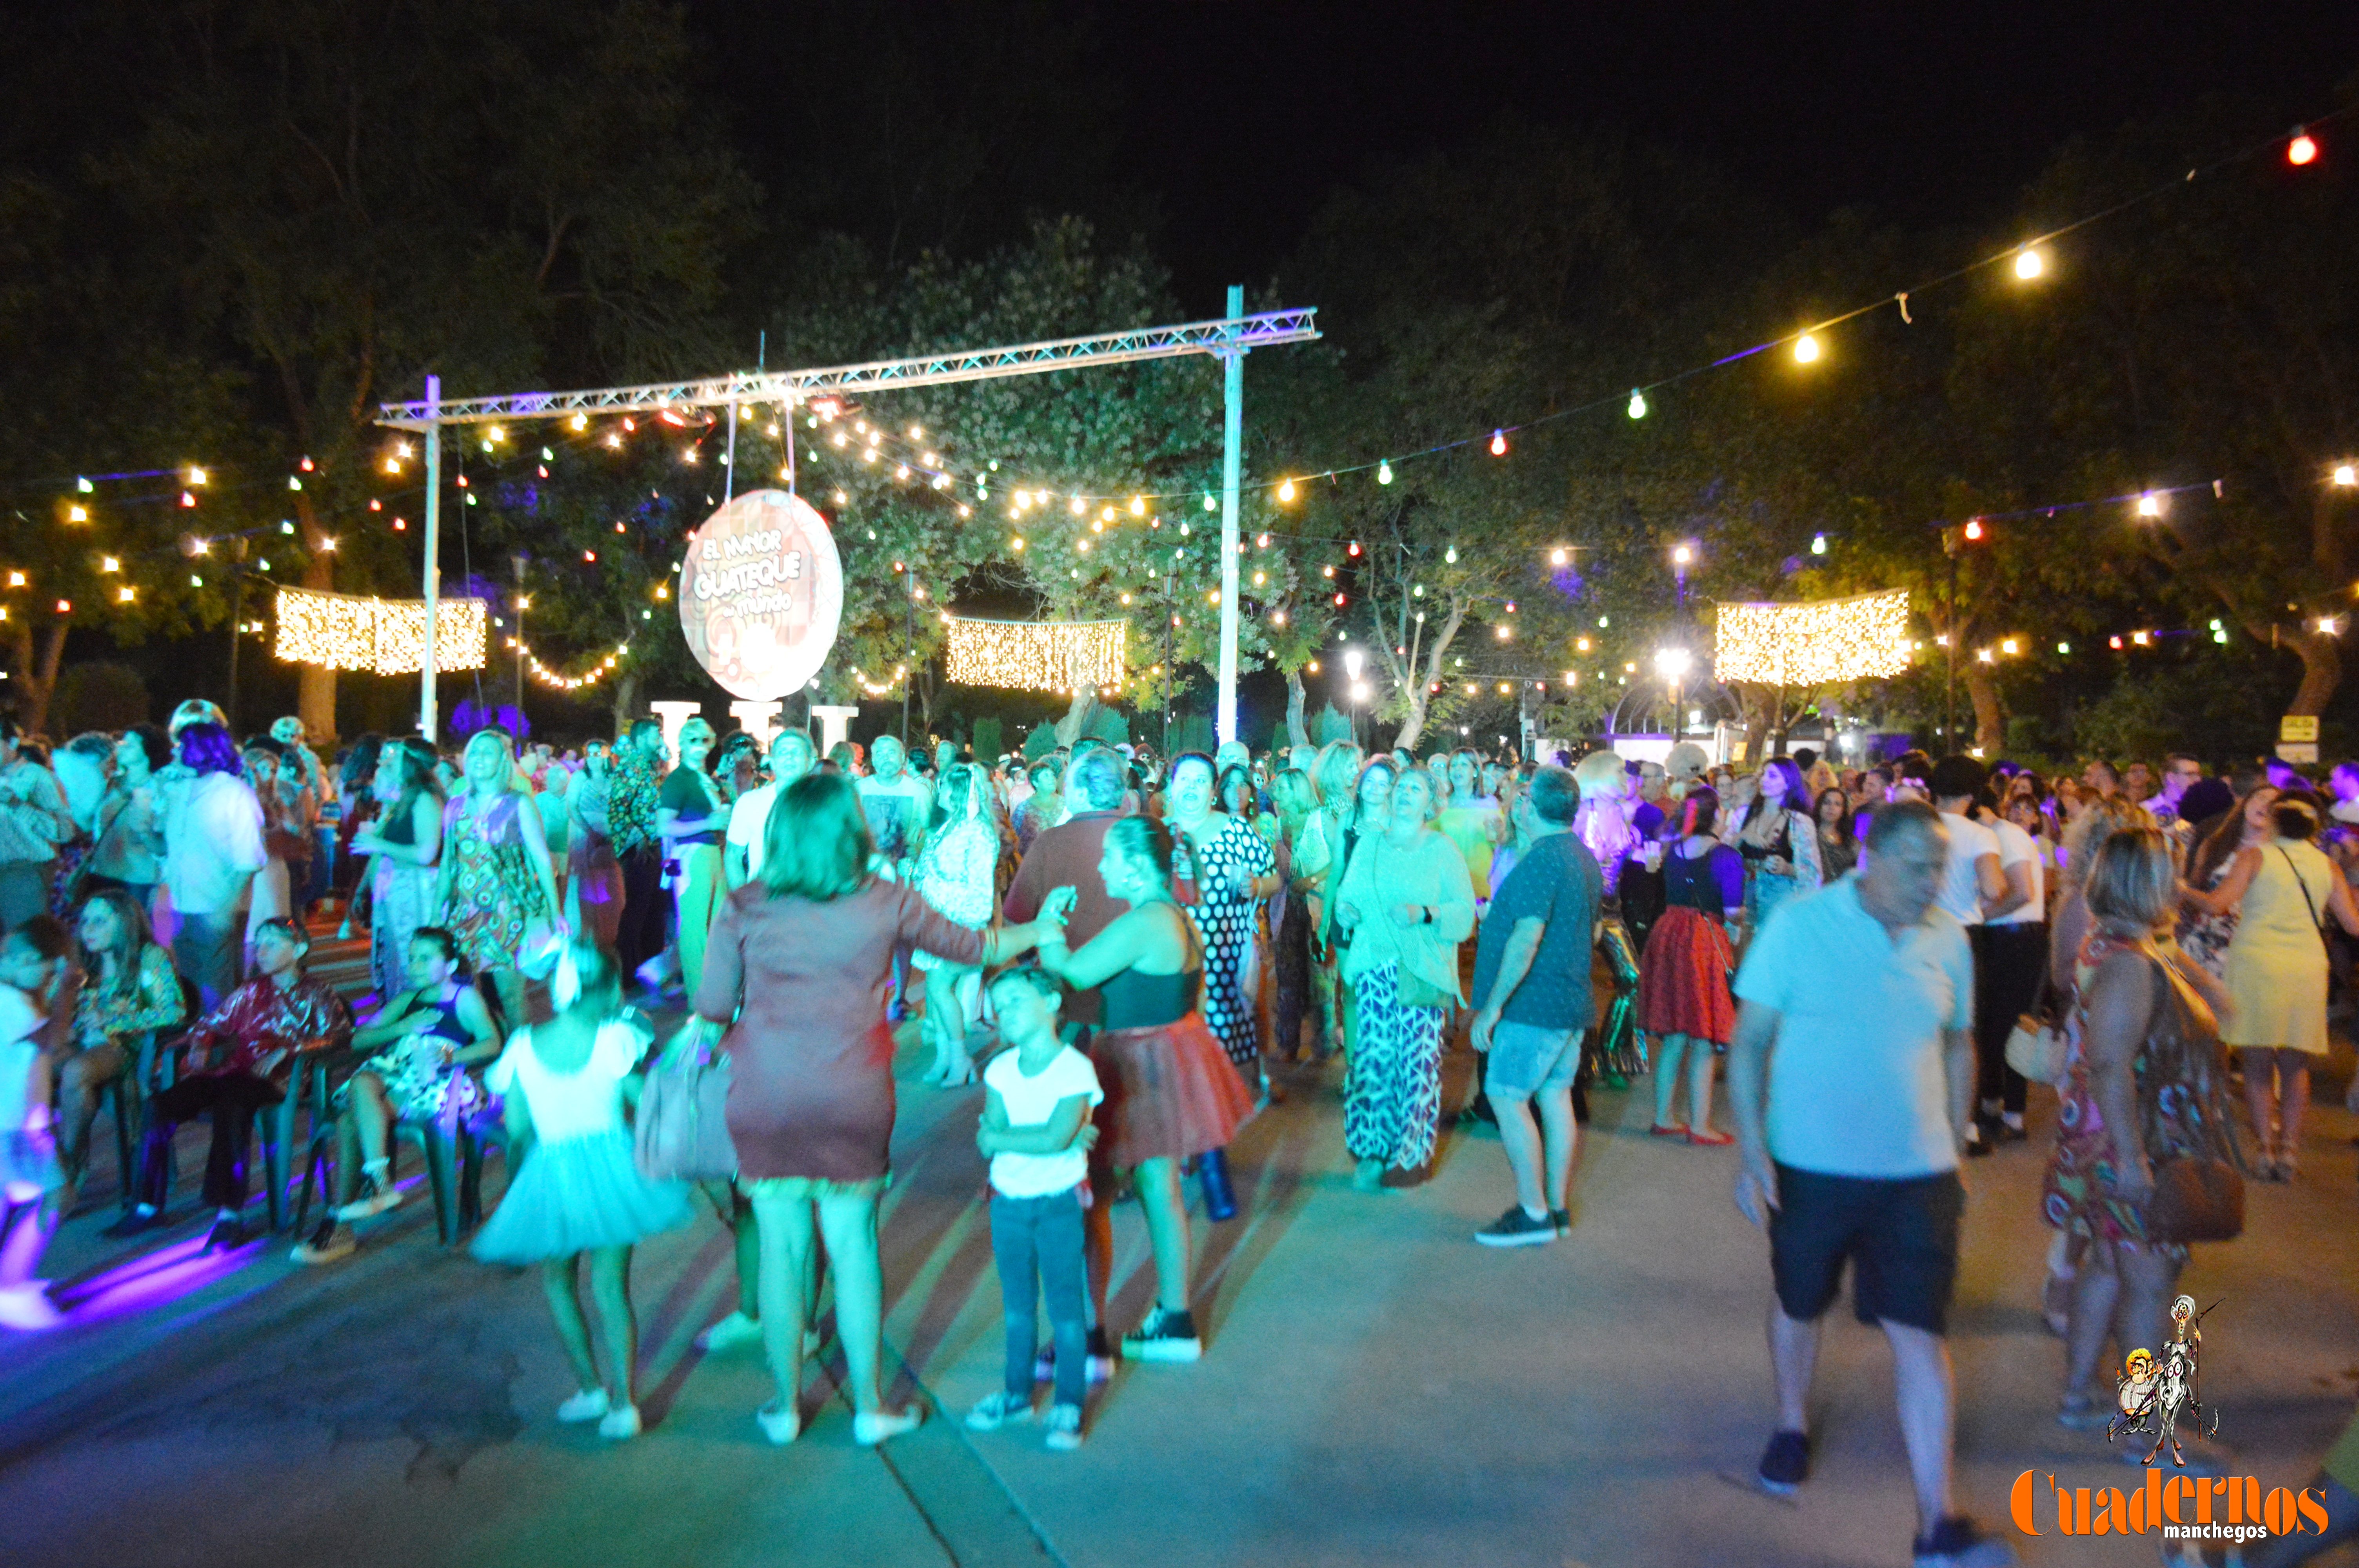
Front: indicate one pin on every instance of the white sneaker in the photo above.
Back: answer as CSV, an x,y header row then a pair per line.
x,y
616,1425
1064,1428
730,1332
869,1429
996,1409
27,1306
371,1204
589,1404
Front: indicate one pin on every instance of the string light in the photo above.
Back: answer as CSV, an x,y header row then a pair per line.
x,y
1033,656
2346,475
343,631
2149,504
1285,489
2029,263
1823,642
1498,443
1385,471
1818,544
1637,403
2302,149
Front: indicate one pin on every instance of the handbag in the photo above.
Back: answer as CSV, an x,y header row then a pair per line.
x,y
2035,1048
2310,904
682,1130
2198,1195
1415,990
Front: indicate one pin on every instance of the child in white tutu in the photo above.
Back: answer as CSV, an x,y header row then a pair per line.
x,y
576,1189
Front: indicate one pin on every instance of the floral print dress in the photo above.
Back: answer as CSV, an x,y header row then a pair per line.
x,y
495,893
1225,914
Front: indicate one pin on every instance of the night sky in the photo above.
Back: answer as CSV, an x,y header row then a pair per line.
x,y
1239,117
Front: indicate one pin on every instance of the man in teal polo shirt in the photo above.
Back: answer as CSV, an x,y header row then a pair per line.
x,y
1858,1012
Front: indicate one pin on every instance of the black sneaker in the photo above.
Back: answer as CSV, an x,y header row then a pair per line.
x,y
1165,1336
1518,1228
227,1235
1785,1464
132,1222
1956,1542
1562,1219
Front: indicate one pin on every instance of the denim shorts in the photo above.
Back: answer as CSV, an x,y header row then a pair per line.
x,y
1526,1059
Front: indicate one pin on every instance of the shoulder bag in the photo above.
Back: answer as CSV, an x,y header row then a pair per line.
x,y
682,1130
2037,1047
2311,904
2198,1195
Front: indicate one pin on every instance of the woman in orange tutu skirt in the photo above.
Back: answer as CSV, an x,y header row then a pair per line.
x,y
1170,1094
1683,999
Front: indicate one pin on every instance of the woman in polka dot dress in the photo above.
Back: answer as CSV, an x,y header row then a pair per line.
x,y
1232,871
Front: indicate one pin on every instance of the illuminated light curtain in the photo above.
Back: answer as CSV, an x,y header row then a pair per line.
x,y
1828,642
345,632
1034,656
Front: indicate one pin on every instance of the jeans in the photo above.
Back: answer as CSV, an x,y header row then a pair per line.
x,y
641,936
2010,963
1036,1242
209,951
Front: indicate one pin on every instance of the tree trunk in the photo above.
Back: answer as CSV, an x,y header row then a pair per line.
x,y
35,679
1990,713
1297,733
315,696
1076,721
2321,670
626,703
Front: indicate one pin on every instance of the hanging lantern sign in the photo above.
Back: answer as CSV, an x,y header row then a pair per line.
x,y
761,594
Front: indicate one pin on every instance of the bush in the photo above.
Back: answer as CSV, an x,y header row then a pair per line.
x,y
1329,725
990,740
1040,742
101,696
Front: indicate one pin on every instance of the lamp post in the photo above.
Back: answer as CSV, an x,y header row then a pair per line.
x,y
1672,665
1682,557
1353,662
523,602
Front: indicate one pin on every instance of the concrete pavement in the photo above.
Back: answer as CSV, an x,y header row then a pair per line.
x,y
1376,1389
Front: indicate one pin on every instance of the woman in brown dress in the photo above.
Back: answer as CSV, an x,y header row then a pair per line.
x,y
802,959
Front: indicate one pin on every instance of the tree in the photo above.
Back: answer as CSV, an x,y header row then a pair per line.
x,y
358,193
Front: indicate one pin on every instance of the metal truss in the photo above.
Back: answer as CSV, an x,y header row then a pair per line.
x,y
1221,339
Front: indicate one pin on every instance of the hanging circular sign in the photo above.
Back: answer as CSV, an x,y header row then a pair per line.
x,y
761,594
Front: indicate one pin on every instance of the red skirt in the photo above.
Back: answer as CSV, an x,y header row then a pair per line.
x,y
1683,978
1169,1091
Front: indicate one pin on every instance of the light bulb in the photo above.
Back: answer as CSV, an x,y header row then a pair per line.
x,y
1818,544
1451,554
1498,443
2029,263
1806,349
1286,490
2149,506
1559,556
1637,403
1211,504
2301,149
1385,471
2345,474
1974,529
1138,507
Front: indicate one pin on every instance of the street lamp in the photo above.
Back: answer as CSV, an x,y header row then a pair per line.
x,y
1682,557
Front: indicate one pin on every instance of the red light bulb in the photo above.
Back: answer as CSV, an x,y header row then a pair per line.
x,y
2301,149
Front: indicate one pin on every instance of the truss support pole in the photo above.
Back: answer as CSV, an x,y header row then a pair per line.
x,y
433,586
1233,430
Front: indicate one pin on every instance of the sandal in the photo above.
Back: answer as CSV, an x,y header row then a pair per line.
x,y
1708,1139
1671,1130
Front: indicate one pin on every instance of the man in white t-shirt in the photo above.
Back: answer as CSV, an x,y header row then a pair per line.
x,y
1851,1078
791,756
1975,888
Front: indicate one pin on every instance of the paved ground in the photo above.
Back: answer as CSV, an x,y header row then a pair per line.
x,y
1376,1391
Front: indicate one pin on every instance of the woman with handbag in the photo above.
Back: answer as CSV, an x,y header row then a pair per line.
x,y
796,976
498,893
1407,899
2143,1163
2276,972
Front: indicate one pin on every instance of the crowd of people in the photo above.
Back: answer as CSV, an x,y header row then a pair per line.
x,y
1138,956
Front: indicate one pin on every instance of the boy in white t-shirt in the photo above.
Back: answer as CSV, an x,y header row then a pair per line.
x,y
1037,1132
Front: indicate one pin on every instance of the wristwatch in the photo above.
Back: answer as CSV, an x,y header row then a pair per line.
x,y
1426,914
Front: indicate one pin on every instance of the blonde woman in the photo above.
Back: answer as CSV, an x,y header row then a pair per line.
x,y
1407,902
691,817
496,889
958,875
